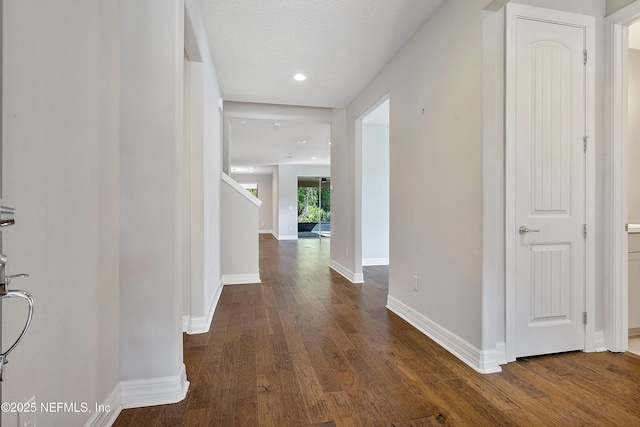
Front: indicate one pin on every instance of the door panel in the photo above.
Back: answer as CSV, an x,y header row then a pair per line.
x,y
550,187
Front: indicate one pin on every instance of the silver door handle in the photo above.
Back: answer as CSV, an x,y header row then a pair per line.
x,y
524,230
24,295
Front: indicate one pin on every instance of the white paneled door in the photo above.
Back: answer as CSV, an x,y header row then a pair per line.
x,y
550,185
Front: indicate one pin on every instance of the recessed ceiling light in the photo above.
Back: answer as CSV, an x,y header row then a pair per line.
x,y
313,158
276,124
243,122
301,141
289,157
329,142
300,77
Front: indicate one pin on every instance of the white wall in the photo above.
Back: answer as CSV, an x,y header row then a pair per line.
x,y
615,5
275,206
265,194
204,175
436,138
151,132
60,171
375,193
287,227
239,232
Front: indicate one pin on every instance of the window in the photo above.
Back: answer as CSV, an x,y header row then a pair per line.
x,y
251,187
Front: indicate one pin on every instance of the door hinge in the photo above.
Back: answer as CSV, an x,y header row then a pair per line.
x,y
584,230
585,142
584,317
585,57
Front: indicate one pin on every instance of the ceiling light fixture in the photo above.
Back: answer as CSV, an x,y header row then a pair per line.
x,y
313,158
301,141
300,77
276,124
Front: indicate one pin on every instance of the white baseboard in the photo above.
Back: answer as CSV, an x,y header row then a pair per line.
x,y
185,322
288,237
368,262
598,341
483,361
345,272
154,391
240,279
109,410
265,232
201,325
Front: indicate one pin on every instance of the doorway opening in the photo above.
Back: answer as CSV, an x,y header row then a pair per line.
x,y
314,207
620,235
375,185
633,193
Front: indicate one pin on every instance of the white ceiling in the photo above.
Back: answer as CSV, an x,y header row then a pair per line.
x,y
257,46
634,36
258,144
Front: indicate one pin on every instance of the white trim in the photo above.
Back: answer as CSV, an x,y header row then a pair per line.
x,y
367,262
112,408
493,209
240,189
357,248
616,293
286,237
588,22
482,361
346,273
599,341
185,322
154,391
201,325
240,279
615,290
265,232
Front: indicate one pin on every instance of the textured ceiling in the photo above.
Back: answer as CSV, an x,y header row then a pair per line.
x,y
340,45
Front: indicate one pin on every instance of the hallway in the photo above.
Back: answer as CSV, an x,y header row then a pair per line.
x,y
306,347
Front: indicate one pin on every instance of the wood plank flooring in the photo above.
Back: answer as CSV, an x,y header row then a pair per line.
x,y
307,348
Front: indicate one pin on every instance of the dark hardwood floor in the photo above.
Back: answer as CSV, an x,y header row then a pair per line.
x,y
306,347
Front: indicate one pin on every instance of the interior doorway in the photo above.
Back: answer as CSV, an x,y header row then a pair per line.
x,y
550,185
619,292
375,185
633,195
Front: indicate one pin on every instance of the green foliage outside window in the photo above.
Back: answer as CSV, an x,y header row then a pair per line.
x,y
308,208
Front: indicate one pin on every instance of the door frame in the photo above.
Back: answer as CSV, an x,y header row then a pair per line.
x,y
588,22
616,294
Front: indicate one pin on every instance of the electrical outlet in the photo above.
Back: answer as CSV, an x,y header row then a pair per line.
x,y
28,418
415,283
